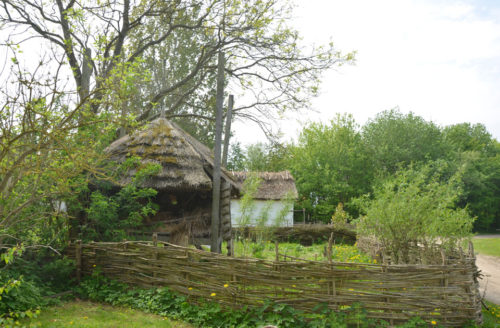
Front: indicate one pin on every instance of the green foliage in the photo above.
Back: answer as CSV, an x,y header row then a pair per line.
x,y
469,137
247,205
28,281
330,165
477,155
247,201
415,207
18,298
210,314
256,158
491,315
110,217
335,163
394,139
48,271
316,252
340,217
236,157
481,180
271,157
205,313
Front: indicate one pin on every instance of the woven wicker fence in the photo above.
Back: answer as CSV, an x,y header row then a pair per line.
x,y
446,294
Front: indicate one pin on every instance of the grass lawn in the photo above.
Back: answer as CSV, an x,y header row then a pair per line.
x,y
82,314
491,318
487,246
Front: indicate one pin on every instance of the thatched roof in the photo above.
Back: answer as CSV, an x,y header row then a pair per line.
x,y
273,186
185,161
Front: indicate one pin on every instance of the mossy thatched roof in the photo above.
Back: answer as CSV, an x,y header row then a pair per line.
x,y
273,185
186,162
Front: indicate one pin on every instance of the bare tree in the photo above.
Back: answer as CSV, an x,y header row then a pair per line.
x,y
267,68
44,149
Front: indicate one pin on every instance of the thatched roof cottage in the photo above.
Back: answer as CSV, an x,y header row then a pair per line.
x,y
184,183
273,200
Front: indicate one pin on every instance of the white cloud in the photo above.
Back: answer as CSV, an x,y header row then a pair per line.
x,y
439,59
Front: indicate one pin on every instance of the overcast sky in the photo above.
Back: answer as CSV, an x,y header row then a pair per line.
x,y
437,58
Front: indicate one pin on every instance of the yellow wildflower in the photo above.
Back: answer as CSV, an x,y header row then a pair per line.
x,y
190,288
226,285
93,266
375,261
213,294
294,286
433,322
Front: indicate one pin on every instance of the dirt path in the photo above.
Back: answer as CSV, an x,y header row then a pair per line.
x,y
490,267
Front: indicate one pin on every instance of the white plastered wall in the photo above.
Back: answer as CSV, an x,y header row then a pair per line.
x,y
274,208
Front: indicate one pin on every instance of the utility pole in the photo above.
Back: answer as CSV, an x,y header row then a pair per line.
x,y
215,240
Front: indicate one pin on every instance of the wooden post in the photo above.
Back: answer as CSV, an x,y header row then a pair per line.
x,y
304,214
155,239
227,130
276,250
226,187
331,285
215,241
329,250
78,256
471,250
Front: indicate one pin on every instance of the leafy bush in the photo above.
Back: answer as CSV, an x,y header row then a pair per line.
x,y
340,217
27,277
415,208
48,271
18,298
162,301
111,214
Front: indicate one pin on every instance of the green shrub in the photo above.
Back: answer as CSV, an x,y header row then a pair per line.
x,y
111,214
27,278
18,299
415,207
47,270
203,313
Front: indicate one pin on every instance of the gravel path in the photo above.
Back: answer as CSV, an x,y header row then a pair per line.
x,y
490,267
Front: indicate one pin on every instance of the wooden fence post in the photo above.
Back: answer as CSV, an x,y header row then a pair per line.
x,y
331,285
445,281
276,249
78,256
155,239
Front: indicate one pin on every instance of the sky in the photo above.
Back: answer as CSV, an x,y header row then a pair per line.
x,y
439,59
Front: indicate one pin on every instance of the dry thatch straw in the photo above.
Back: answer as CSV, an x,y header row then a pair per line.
x,y
446,294
273,186
184,160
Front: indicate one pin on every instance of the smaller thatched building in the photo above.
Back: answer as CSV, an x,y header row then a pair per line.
x,y
184,183
272,201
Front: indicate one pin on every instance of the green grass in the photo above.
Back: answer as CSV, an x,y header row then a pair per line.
x,y
487,246
316,252
81,314
491,318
